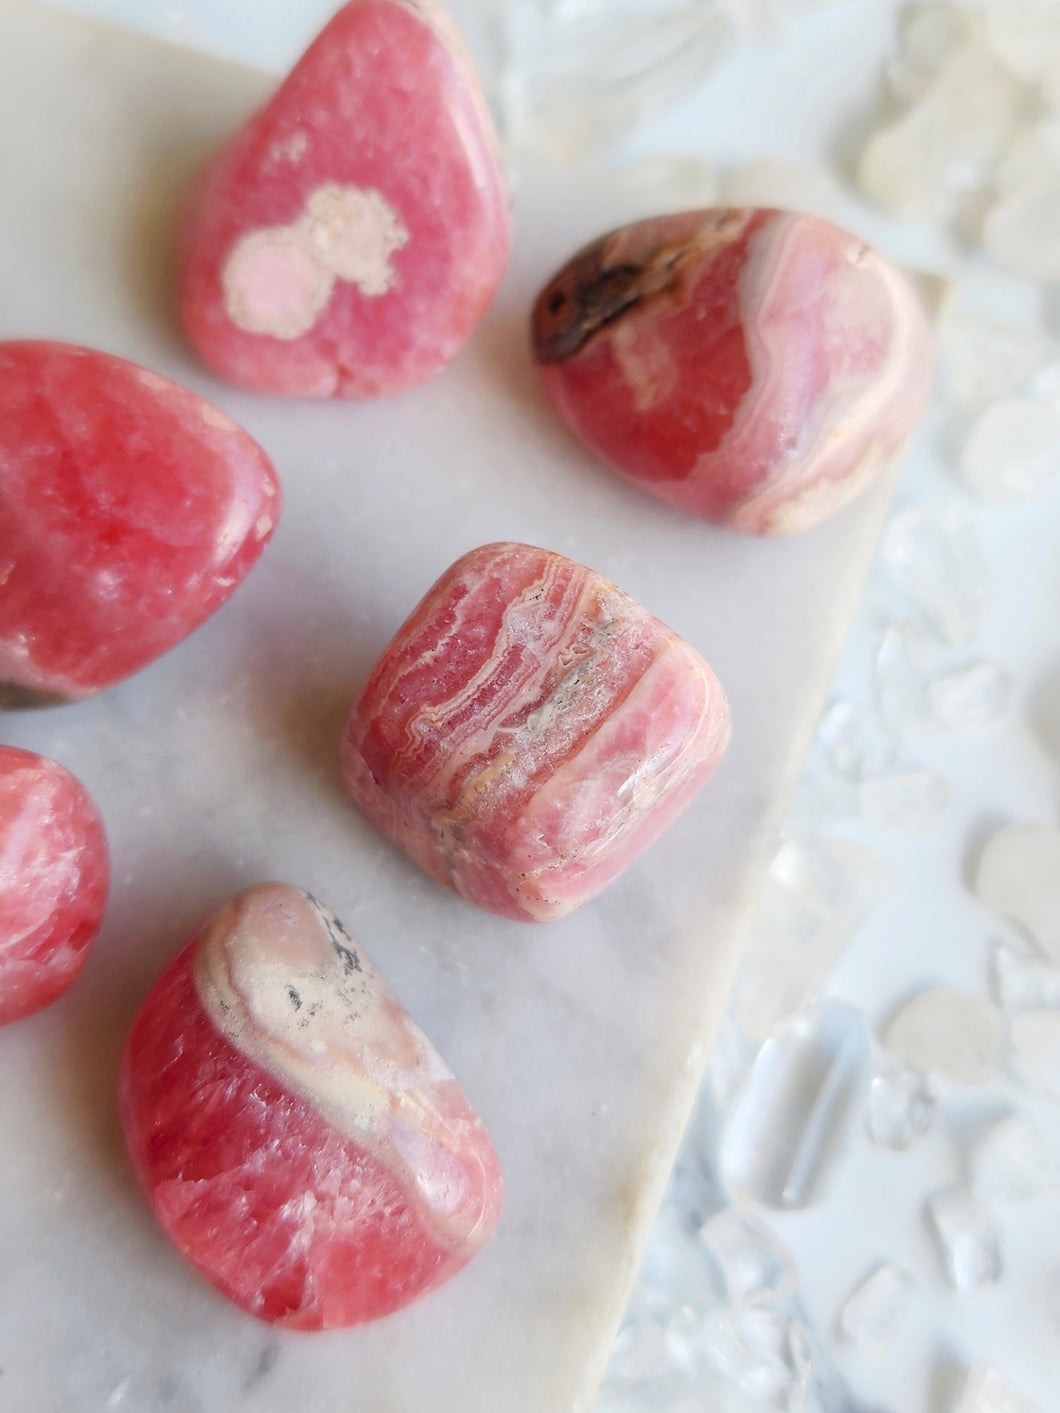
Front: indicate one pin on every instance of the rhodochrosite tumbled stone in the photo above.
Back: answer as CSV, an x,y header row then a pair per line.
x,y
129,511
757,368
529,730
301,1141
54,874
348,239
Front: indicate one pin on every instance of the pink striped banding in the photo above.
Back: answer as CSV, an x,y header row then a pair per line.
x,y
757,368
530,730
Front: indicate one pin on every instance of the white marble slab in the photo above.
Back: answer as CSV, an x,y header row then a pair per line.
x,y
580,1043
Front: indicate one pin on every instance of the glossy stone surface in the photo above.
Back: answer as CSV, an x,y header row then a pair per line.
x,y
754,367
54,874
129,511
795,1113
1018,874
301,1141
529,730
347,240
968,1239
948,1032
873,1313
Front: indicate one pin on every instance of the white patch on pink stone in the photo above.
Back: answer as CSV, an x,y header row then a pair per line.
x,y
354,232
282,980
279,281
274,285
645,361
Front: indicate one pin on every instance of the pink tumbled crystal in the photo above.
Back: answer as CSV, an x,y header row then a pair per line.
x,y
530,730
757,368
129,511
301,1141
348,239
54,873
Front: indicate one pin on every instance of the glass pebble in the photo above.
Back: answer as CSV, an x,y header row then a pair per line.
x,y
682,181
732,1057
987,1390
1019,876
1023,980
906,652
967,1237
670,1393
1024,34
912,802
948,1032
755,1266
985,360
793,1118
1050,86
1033,153
821,800
928,34
970,698
902,1107
1034,1045
780,184
1014,1162
1020,230
853,743
933,553
578,78
942,145
818,894
1012,454
675,1270
1045,384
872,1315
640,1352
765,1354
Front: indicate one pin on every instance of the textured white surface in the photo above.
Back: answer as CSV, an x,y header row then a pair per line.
x,y
579,1043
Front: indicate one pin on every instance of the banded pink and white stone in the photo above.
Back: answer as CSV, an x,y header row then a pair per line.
x,y
301,1141
756,368
530,730
348,239
54,876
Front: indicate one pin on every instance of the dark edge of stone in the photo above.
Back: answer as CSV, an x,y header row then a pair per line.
x,y
590,291
15,697
580,299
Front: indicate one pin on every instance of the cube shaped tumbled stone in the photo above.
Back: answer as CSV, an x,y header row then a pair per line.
x,y
530,730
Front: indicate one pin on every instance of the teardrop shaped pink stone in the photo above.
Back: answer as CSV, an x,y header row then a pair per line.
x,y
348,239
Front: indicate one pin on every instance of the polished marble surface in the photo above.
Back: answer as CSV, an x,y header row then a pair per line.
x,y
580,1043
